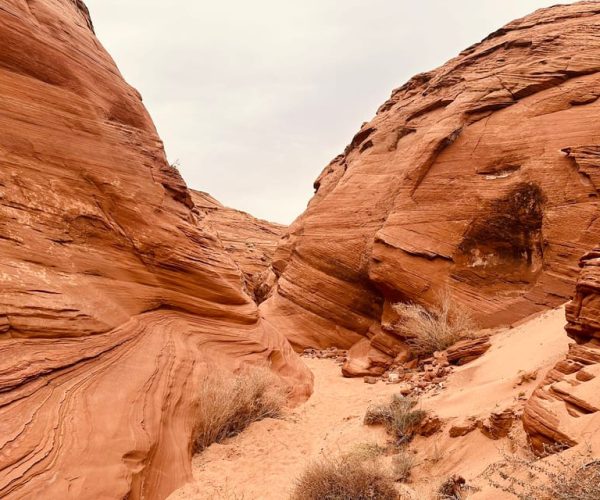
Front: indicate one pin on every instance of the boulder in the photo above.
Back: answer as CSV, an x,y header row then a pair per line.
x,y
363,360
463,427
467,350
499,423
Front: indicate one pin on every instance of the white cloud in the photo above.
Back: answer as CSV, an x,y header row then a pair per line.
x,y
255,98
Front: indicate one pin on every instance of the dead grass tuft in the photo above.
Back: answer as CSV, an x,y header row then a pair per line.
x,y
453,488
368,451
435,329
560,478
345,478
402,465
228,403
399,417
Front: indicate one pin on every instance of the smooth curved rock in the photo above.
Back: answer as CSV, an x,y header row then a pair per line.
x,y
364,360
113,294
478,177
562,409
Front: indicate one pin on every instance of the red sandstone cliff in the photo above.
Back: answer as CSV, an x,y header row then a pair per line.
x,y
565,409
118,285
251,242
480,176
113,294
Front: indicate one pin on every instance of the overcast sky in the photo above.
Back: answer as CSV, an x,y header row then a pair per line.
x,y
256,97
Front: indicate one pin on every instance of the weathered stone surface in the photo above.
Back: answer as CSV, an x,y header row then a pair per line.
x,y
479,177
364,360
467,350
463,427
499,423
113,295
251,242
430,425
561,408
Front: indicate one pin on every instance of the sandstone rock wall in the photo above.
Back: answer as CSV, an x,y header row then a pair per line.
x,y
251,242
113,294
565,408
479,177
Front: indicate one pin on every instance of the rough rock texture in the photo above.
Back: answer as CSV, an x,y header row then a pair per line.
x,y
113,296
499,423
463,427
479,177
251,242
467,350
562,407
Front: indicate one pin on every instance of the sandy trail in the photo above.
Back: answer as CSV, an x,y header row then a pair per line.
x,y
264,461
489,384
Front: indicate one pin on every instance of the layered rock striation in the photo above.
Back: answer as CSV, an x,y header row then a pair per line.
x,y
114,296
479,177
119,286
565,409
251,242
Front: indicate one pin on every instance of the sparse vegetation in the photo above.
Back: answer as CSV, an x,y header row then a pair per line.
x,y
452,488
176,165
349,477
378,415
437,454
560,478
400,417
582,484
402,465
368,451
228,403
435,329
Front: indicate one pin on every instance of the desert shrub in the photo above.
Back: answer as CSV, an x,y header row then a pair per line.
x,y
378,415
453,488
228,403
557,479
400,417
345,478
405,419
402,465
429,330
582,484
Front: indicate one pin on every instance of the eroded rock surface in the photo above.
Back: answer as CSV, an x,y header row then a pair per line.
x,y
113,296
479,177
251,242
561,410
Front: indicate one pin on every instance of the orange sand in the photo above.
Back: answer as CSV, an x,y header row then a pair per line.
x,y
263,462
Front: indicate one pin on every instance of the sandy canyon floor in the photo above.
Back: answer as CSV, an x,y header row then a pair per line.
x,y
264,461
